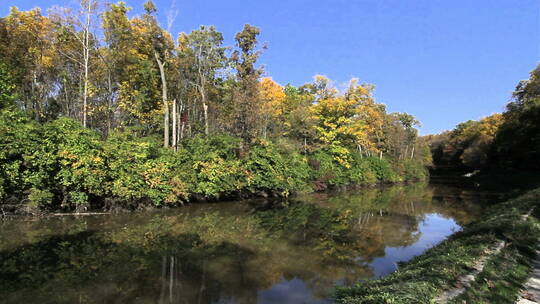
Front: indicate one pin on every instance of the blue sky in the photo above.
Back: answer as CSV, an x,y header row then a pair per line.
x,y
443,61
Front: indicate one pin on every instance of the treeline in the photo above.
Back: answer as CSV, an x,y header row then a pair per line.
x,y
510,140
132,115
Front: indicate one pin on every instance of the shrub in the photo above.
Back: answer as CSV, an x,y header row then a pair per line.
x,y
210,165
328,170
80,168
38,198
413,170
269,169
141,170
382,169
19,137
361,171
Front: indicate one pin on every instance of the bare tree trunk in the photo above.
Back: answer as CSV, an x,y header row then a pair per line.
x,y
164,99
66,109
406,152
86,59
181,122
110,102
205,108
412,152
174,124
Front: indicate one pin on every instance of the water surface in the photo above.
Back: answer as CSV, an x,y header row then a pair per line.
x,y
230,252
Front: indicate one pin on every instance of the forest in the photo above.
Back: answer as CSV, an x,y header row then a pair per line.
x,y
509,141
103,110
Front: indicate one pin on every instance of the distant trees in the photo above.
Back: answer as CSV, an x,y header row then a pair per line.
x,y
509,140
468,144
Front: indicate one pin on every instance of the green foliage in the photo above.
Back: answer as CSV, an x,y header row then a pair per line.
x,y
141,170
7,87
414,171
18,141
210,165
62,165
382,169
517,143
343,167
79,169
38,198
270,169
328,170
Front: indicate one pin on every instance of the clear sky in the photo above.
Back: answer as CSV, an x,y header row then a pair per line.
x,y
443,61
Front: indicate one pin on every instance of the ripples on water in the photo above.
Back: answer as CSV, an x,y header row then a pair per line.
x,y
230,252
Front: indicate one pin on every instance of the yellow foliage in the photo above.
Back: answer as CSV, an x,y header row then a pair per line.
x,y
354,118
273,97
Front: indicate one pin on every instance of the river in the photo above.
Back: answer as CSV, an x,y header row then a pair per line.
x,y
254,251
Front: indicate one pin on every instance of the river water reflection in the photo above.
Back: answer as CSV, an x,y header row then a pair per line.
x,y
230,252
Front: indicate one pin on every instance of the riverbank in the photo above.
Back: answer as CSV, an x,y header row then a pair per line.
x,y
62,167
426,278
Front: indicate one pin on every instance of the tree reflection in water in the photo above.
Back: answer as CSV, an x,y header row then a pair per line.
x,y
232,252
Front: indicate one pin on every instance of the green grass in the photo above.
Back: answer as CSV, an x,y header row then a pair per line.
x,y
502,278
425,277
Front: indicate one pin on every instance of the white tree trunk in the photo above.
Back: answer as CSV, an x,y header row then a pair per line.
x,y
174,124
86,58
166,115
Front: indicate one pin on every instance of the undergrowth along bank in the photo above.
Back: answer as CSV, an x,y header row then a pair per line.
x,y
61,165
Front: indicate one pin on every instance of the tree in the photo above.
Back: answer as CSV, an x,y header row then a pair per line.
x,y
273,98
299,122
136,96
26,47
80,25
117,57
517,142
246,98
161,47
468,144
205,47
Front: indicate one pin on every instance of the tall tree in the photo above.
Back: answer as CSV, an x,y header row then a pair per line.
x,y
161,47
27,49
80,25
205,46
273,98
246,98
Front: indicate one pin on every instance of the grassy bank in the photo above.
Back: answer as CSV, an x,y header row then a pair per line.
x,y
62,166
426,277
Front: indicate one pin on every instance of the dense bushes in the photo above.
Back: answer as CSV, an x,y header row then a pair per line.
x,y
268,168
62,166
347,167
